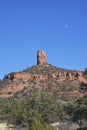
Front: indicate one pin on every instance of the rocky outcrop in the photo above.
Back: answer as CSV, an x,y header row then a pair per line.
x,y
57,79
41,57
43,76
58,75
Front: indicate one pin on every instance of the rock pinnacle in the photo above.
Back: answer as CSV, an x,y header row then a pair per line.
x,y
41,57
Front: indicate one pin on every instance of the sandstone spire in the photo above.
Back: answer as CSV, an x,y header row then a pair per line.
x,y
41,57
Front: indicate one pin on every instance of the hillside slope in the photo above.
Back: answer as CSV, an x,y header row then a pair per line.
x,y
62,83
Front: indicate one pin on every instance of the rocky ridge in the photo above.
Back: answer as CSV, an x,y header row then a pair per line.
x,y
44,77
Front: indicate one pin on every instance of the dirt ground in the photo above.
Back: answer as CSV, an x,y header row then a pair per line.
x,y
64,126
3,126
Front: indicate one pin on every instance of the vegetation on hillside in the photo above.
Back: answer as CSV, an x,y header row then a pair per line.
x,y
38,105
78,112
33,113
40,110
44,69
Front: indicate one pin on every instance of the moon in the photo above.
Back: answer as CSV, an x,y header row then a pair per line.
x,y
66,25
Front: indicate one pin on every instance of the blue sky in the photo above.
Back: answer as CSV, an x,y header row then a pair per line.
x,y
59,27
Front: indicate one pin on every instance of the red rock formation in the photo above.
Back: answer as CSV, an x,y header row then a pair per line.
x,y
43,76
41,58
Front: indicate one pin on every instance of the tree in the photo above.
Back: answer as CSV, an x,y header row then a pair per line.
x,y
78,112
25,113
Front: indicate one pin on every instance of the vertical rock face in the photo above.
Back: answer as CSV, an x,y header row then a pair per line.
x,y
41,57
